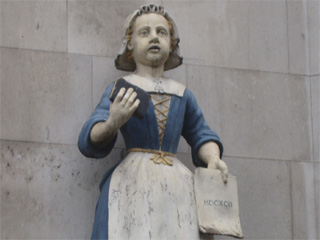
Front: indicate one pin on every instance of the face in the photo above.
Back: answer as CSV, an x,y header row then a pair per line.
x,y
150,40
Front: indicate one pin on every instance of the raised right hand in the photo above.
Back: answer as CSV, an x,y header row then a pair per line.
x,y
123,106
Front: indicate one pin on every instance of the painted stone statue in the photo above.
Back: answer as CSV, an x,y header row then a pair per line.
x,y
149,194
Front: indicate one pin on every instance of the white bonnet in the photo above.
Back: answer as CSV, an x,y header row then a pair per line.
x,y
174,59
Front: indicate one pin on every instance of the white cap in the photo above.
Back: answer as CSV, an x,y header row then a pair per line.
x,y
174,59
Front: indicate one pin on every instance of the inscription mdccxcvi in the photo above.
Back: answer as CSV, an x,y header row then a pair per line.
x,y
218,203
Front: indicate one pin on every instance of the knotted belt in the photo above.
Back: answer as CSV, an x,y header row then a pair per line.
x,y
158,157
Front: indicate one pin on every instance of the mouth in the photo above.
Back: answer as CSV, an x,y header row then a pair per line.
x,y
154,48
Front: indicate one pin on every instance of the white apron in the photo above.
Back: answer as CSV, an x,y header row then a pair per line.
x,y
152,201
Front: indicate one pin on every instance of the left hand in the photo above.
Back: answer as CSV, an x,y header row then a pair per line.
x,y
217,163
209,153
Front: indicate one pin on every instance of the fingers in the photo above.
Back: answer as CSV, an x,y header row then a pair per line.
x,y
120,95
134,106
131,99
222,166
126,98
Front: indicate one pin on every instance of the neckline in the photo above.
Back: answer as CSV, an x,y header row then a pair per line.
x,y
161,85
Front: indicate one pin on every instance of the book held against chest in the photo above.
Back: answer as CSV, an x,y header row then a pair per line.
x,y
142,95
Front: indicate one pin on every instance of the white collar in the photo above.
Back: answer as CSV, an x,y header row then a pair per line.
x,y
159,85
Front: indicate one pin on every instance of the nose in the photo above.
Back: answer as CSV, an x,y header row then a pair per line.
x,y
154,37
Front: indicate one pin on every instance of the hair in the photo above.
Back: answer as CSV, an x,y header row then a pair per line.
x,y
128,53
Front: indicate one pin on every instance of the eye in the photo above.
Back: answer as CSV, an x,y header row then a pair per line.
x,y
163,32
144,33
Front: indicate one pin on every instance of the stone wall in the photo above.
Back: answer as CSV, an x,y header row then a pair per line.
x,y
253,66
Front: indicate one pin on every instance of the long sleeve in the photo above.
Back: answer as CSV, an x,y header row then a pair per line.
x,y
100,114
196,130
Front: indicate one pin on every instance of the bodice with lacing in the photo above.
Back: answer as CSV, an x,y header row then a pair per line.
x,y
161,103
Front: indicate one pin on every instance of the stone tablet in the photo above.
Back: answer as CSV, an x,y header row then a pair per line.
x,y
217,203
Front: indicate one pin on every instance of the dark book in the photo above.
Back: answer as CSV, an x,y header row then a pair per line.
x,y
142,95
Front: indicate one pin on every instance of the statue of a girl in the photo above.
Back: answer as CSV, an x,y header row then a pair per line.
x,y
149,194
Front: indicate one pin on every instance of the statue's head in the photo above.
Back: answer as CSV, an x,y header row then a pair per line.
x,y
125,59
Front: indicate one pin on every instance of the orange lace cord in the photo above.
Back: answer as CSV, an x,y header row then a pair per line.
x,y
161,105
158,157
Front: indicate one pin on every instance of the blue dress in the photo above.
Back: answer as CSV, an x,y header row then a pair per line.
x,y
140,199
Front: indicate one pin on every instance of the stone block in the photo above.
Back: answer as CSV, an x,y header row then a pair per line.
x,y
298,36
315,102
264,197
104,73
179,74
212,31
51,186
268,36
314,36
303,36
257,114
186,159
183,146
234,34
303,200
317,196
39,25
45,97
95,27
